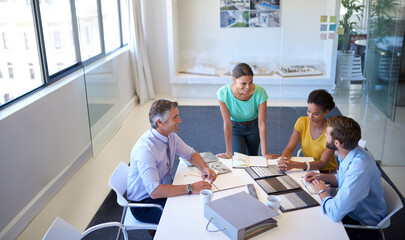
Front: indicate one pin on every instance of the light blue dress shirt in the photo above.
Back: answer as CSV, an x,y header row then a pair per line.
x,y
150,164
360,194
242,111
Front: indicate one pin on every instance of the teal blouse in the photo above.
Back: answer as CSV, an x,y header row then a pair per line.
x,y
242,111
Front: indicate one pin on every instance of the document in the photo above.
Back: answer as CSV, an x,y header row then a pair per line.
x,y
241,160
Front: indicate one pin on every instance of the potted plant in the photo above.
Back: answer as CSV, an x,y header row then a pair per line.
x,y
352,7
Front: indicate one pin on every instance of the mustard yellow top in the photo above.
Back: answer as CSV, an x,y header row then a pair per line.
x,y
310,147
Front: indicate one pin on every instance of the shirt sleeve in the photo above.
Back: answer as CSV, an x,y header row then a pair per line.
x,y
221,94
148,170
262,95
299,124
182,149
354,189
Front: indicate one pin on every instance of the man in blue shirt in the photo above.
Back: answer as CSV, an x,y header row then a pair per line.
x,y
360,198
150,175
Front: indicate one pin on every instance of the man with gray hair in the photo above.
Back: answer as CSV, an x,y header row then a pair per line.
x,y
150,175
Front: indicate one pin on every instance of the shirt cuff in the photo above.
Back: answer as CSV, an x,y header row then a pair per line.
x,y
323,203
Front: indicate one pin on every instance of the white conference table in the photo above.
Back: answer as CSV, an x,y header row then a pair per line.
x,y
183,216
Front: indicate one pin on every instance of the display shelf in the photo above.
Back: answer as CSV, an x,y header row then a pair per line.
x,y
189,85
197,40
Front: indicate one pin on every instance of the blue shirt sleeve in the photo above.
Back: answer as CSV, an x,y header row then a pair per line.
x,y
182,149
148,170
353,190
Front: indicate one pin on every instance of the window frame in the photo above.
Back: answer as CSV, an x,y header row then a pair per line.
x,y
48,79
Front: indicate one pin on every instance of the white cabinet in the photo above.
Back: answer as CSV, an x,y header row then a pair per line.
x,y
196,39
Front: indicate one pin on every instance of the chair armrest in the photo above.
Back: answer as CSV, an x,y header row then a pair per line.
x,y
360,226
105,225
145,205
299,152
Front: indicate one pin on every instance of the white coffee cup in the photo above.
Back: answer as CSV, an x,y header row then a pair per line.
x,y
273,201
206,196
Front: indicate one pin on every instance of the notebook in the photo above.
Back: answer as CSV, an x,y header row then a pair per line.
x,y
264,172
218,167
296,200
208,157
278,184
241,160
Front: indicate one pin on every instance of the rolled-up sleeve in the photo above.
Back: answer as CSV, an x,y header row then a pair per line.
x,y
148,170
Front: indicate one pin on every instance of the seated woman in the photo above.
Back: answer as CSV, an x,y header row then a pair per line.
x,y
243,107
311,131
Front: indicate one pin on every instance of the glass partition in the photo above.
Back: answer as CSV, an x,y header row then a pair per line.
x,y
103,101
384,46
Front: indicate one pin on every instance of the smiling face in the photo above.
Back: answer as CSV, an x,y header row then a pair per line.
x,y
171,124
315,113
244,84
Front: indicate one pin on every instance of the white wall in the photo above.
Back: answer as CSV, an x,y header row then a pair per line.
x,y
44,143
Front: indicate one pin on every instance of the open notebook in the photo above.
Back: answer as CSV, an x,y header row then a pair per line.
x,y
241,160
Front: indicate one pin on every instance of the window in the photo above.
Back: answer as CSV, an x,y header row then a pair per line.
x,y
32,74
124,21
87,14
32,71
111,25
18,32
57,28
26,41
56,40
11,73
5,40
38,48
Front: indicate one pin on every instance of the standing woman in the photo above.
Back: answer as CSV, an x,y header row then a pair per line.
x,y
243,107
311,131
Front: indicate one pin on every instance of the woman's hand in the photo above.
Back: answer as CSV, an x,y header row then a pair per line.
x,y
271,156
284,164
224,155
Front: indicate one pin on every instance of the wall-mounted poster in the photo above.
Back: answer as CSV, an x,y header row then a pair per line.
x,y
250,13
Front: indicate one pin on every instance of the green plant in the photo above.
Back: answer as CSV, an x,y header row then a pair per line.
x,y
352,7
381,18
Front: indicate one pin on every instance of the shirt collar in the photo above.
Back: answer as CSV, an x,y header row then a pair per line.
x,y
349,157
158,135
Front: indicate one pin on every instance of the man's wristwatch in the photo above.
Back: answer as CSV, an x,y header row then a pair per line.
x,y
321,191
189,189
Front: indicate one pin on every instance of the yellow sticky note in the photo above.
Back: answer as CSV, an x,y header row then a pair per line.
x,y
340,31
333,19
324,18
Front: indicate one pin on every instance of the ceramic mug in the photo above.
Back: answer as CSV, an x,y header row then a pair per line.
x,y
206,196
273,201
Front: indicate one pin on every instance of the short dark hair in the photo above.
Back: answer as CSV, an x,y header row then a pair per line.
x,y
321,98
345,130
160,110
242,69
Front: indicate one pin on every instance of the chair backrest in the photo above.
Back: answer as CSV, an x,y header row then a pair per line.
x,y
349,67
61,230
394,203
118,182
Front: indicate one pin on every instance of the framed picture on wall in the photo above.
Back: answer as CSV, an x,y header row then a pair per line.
x,y
249,13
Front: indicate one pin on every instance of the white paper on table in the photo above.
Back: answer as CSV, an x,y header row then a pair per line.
x,y
258,161
227,181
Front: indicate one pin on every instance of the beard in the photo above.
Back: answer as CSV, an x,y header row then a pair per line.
x,y
331,145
